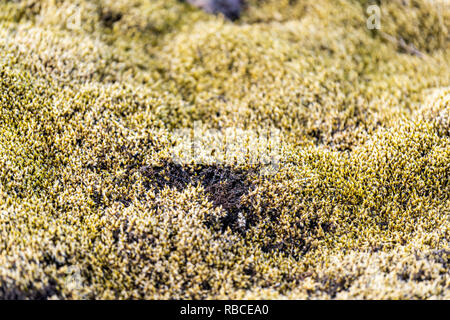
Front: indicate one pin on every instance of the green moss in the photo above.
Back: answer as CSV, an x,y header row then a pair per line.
x,y
98,97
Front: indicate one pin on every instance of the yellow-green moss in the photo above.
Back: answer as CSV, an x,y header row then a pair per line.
x,y
93,205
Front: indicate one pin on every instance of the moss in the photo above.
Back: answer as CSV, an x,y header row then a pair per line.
x,y
100,101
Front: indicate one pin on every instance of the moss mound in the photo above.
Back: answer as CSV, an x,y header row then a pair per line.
x,y
101,198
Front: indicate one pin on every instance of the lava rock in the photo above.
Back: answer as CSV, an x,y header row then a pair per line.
x,y
230,8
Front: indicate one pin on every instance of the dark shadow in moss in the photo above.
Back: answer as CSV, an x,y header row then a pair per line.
x,y
224,185
332,286
109,17
12,291
441,256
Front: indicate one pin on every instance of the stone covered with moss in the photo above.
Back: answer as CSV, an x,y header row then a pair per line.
x,y
94,204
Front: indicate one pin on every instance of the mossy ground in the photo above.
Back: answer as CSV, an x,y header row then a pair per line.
x,y
92,204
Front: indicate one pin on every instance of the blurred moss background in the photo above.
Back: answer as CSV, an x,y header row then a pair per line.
x,y
92,205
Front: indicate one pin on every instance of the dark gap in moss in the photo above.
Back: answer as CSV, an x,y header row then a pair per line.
x,y
12,291
224,186
206,286
333,286
421,276
441,256
250,270
292,247
109,17
96,196
403,275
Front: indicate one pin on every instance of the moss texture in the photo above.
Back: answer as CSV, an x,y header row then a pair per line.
x,y
94,206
